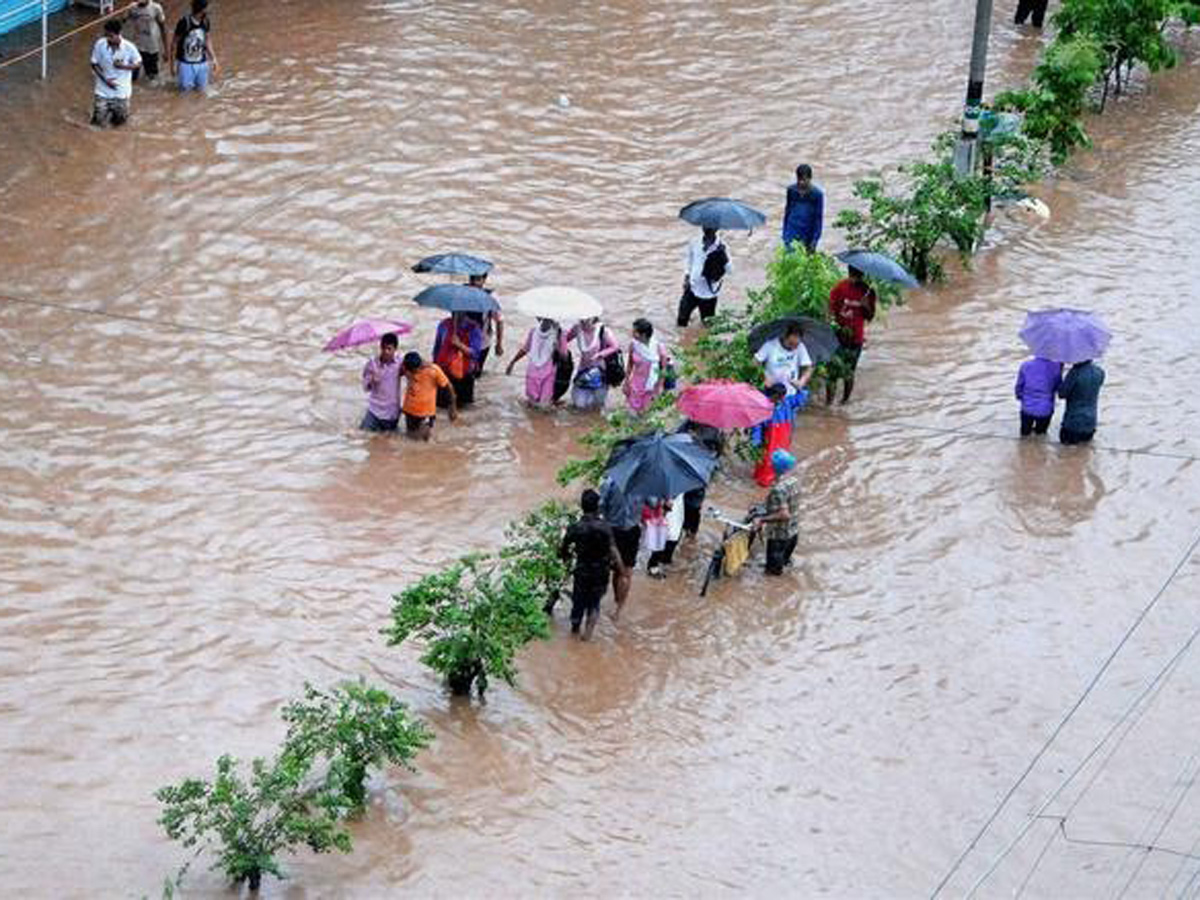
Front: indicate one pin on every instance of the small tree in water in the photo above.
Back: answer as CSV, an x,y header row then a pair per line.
x,y
247,823
352,728
473,618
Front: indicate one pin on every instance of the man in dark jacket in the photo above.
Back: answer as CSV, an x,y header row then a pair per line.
x,y
590,543
1081,389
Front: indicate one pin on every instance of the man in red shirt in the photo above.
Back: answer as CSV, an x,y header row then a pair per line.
x,y
852,306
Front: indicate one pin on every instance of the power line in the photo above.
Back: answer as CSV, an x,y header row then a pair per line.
x,y
1095,679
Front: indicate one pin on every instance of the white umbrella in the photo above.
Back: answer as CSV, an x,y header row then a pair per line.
x,y
558,303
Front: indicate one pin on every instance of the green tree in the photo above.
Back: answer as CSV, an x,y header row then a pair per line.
x,y
352,728
473,618
248,823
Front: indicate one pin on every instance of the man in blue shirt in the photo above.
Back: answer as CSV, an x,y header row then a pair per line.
x,y
804,211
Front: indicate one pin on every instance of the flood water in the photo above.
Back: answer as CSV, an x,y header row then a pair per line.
x,y
192,526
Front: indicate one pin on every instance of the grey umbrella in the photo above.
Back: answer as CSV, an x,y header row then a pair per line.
x,y
660,466
454,264
818,337
722,213
457,298
876,265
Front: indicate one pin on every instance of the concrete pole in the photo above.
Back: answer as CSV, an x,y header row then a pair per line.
x,y
966,152
45,35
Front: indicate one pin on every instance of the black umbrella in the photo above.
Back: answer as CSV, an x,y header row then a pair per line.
x,y
818,337
457,298
454,264
660,466
722,213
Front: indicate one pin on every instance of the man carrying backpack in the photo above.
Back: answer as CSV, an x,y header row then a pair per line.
x,y
707,265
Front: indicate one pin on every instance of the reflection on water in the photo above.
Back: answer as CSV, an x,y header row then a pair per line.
x,y
192,526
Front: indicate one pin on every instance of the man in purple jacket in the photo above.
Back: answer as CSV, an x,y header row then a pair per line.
x,y
1037,382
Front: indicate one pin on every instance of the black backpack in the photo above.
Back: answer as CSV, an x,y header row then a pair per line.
x,y
614,366
715,264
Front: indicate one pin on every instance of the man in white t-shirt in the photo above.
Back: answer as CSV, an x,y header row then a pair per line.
x,y
706,263
114,60
785,361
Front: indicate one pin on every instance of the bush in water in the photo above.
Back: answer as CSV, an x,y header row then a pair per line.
x,y
247,823
473,618
531,547
352,728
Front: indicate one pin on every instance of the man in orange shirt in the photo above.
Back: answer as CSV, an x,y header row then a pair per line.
x,y
420,397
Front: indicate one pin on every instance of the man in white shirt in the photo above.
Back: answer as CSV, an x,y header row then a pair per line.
x,y
785,361
114,60
706,265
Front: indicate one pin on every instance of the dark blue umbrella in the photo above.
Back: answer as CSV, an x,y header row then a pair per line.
x,y
722,213
876,265
454,264
457,298
660,466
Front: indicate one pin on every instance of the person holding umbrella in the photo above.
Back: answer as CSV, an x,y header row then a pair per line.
x,y
851,306
1038,381
456,348
706,263
1072,336
1081,389
381,382
785,360
545,346
491,323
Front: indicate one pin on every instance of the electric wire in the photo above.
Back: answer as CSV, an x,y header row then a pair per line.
x,y
1091,685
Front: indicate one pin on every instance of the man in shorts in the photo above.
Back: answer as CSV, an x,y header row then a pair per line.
x,y
781,521
114,60
147,26
589,542
195,54
420,396
624,517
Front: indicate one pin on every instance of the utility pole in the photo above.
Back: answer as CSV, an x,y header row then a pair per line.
x,y
967,151
45,35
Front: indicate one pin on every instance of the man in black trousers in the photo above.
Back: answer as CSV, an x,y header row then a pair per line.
x,y
1035,7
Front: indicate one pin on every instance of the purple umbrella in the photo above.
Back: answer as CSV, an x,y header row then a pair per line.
x,y
366,331
1065,335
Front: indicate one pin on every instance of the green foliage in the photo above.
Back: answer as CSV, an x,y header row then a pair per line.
x,y
473,618
660,416
247,823
1055,103
531,547
352,728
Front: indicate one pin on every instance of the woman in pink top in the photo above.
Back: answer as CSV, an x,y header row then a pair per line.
x,y
544,346
647,367
594,344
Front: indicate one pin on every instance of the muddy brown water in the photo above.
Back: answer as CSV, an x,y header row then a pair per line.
x,y
192,526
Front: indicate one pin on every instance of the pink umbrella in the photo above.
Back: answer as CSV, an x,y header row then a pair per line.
x,y
725,404
366,331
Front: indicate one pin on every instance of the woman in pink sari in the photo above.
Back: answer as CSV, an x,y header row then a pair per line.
x,y
594,345
647,367
544,346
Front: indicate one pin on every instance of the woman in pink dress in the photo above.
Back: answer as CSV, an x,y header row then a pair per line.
x,y
647,367
594,345
544,345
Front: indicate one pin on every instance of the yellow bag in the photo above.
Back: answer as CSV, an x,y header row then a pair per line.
x,y
737,551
